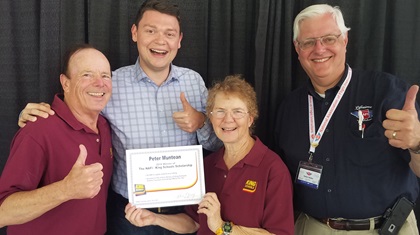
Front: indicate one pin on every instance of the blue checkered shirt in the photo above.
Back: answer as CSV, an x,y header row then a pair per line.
x,y
140,113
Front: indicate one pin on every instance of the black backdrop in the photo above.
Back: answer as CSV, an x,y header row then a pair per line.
x,y
221,37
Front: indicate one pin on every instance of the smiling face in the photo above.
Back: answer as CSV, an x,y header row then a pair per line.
x,y
87,86
228,129
158,39
324,64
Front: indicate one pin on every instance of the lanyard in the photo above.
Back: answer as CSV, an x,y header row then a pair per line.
x,y
315,139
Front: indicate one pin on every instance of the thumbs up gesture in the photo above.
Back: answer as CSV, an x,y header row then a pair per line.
x,y
83,181
188,119
402,127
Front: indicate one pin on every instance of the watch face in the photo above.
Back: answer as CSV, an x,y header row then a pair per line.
x,y
227,227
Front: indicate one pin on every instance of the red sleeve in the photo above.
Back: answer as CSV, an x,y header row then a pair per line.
x,y
24,167
278,209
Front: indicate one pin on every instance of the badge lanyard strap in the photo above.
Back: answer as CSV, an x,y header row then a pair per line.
x,y
315,139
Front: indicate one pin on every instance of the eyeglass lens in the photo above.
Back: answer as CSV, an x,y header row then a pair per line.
x,y
327,40
236,114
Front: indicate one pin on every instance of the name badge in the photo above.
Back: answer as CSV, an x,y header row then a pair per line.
x,y
309,174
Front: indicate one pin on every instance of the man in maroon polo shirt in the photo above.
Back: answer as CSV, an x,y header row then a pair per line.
x,y
57,175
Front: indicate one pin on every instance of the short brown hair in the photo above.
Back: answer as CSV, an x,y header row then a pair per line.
x,y
162,6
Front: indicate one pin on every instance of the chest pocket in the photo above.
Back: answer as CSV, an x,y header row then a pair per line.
x,y
364,150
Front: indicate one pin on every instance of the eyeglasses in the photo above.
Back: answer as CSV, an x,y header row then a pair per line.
x,y
236,113
327,40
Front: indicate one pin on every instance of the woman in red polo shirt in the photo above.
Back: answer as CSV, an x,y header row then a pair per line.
x,y
249,187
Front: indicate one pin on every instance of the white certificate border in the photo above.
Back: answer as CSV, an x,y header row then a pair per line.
x,y
170,202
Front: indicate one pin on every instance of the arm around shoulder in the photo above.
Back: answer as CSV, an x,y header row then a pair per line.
x,y
32,111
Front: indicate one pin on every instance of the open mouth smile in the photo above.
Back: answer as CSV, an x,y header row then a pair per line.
x,y
96,93
154,51
321,60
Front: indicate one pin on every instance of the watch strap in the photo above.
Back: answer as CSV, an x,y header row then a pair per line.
x,y
219,231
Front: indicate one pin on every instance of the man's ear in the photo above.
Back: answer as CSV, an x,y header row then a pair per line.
x,y
180,39
346,38
65,82
296,44
134,33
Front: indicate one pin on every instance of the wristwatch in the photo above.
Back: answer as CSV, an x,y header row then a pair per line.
x,y
226,228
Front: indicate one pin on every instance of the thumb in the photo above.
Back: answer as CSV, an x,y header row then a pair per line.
x,y
410,98
185,105
81,159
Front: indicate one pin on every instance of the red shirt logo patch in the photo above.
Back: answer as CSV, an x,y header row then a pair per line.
x,y
250,186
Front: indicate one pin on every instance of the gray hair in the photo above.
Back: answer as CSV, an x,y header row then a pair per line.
x,y
317,10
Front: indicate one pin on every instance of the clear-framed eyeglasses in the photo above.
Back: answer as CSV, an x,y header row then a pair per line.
x,y
221,113
327,40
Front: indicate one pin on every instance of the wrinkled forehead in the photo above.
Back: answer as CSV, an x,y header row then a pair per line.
x,y
89,59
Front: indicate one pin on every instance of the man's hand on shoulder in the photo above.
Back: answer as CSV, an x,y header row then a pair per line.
x,y
32,111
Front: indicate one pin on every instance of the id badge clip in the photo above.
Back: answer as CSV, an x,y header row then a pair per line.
x,y
309,173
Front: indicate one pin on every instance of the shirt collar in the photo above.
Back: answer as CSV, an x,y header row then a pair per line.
x,y
253,158
62,111
142,76
334,89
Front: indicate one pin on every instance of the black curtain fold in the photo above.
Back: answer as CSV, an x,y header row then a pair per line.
x,y
49,49
273,59
109,23
194,46
229,39
221,37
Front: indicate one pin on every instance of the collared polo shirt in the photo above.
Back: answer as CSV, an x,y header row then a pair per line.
x,y
256,192
43,153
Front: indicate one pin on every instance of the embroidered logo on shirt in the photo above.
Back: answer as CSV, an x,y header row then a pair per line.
x,y
366,112
250,186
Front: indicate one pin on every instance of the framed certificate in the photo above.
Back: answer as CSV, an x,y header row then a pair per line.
x,y
161,177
